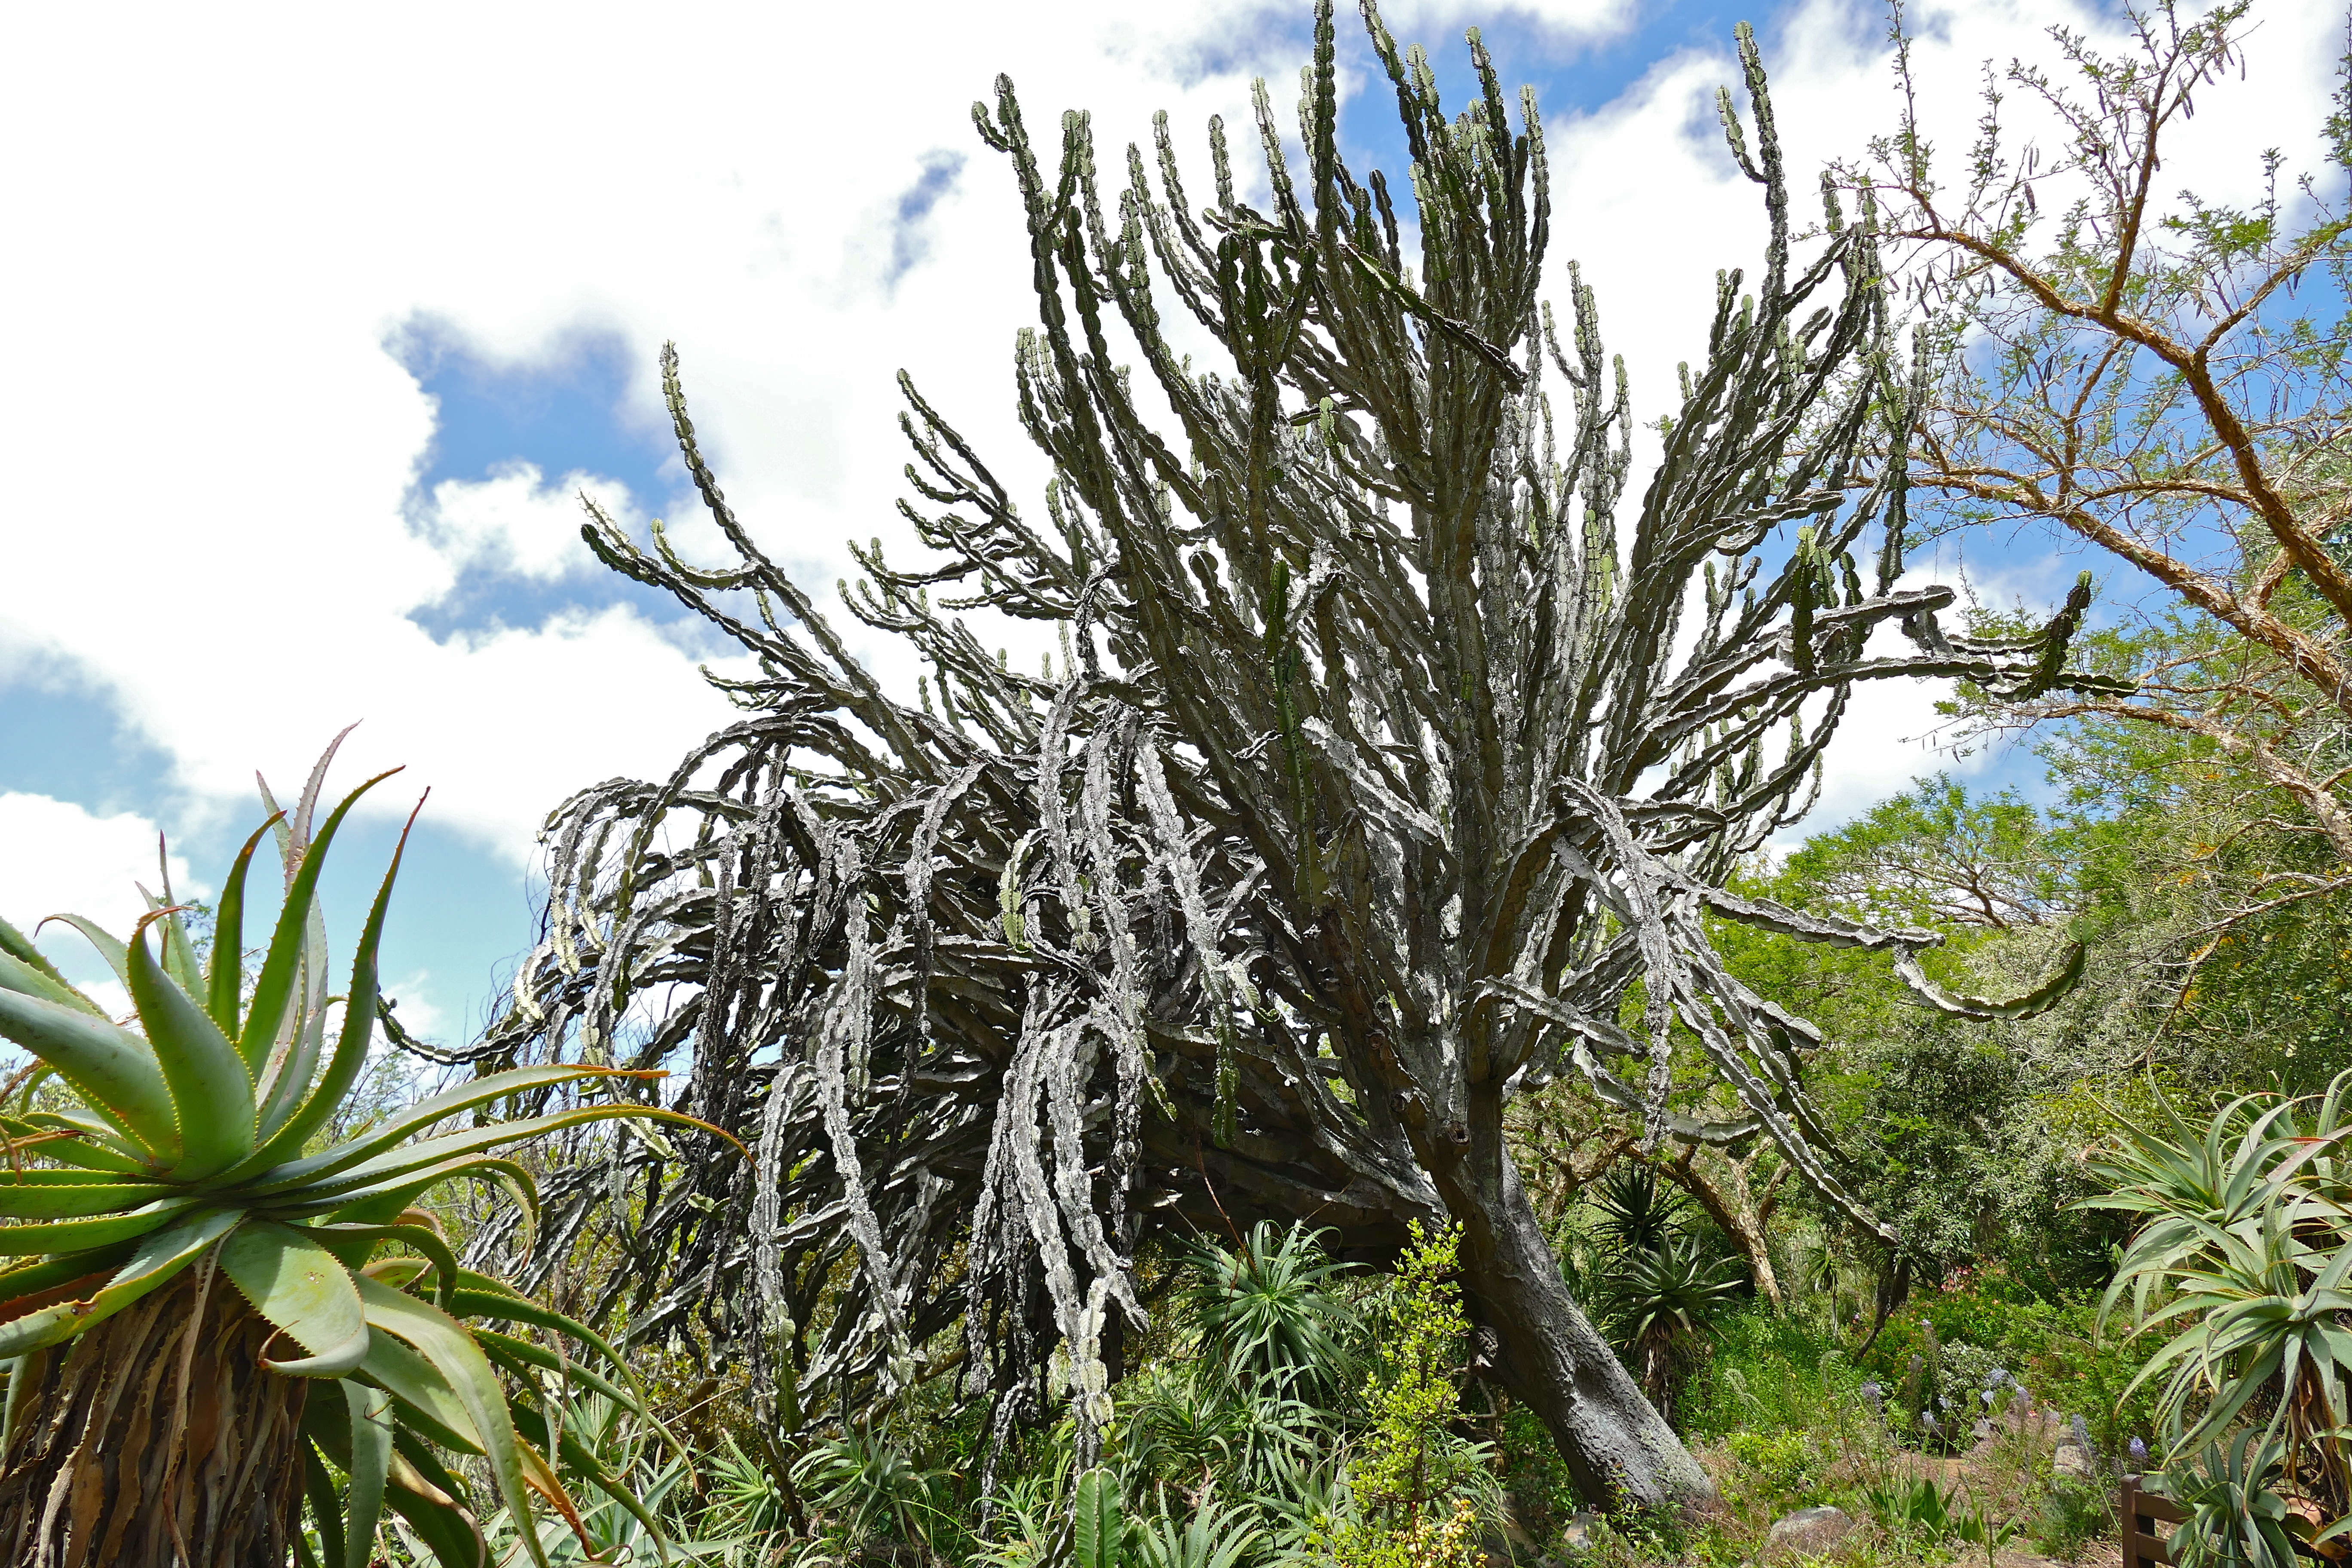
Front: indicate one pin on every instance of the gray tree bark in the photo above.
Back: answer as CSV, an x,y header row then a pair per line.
x,y
1618,1448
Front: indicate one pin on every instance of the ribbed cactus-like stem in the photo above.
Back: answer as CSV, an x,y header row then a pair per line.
x,y
1388,748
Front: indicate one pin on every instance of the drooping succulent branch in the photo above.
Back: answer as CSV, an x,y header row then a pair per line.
x,y
1384,757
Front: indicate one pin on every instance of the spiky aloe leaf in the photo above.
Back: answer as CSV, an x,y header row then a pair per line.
x,y
370,1469
424,1238
78,1138
26,1286
273,990
304,1289
69,1195
430,1406
110,947
395,1170
416,1485
225,979
62,1236
326,1512
395,1130
157,1262
179,959
19,948
481,1296
212,1092
381,1203
114,1070
519,1357
297,1109
451,1352
19,973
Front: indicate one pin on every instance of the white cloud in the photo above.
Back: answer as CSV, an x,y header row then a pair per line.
x,y
418,1014
226,216
1436,22
57,859
237,213
516,522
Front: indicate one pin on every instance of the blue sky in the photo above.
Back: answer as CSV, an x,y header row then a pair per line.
x,y
311,405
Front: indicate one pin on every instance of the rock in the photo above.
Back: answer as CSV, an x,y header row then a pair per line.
x,y
2072,1461
1808,1532
1579,1533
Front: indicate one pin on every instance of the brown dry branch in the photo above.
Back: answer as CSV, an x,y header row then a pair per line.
x,y
2145,371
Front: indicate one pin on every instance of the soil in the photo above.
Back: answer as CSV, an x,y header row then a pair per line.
x,y
1994,1477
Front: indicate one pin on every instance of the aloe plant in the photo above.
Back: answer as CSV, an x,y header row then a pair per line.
x,y
2236,1517
1268,1311
1663,1304
2243,1261
195,1255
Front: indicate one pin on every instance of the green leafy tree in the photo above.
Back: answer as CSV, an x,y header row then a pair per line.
x,y
2199,872
1936,854
1967,1134
2162,377
1408,1468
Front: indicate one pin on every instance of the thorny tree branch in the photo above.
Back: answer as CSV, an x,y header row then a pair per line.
x,y
2131,370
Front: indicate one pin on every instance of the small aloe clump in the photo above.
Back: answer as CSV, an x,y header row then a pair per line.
x,y
194,1263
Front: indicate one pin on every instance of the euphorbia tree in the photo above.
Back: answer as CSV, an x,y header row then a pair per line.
x,y
1383,759
204,1329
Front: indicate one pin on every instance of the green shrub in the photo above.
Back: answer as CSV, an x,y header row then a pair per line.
x,y
2053,1348
1777,1470
1543,1494
1770,1372
1409,1475
1981,1313
2073,1514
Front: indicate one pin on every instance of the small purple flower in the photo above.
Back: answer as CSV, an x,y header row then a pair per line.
x,y
2082,1433
1873,1394
1987,1397
2138,1453
1996,1377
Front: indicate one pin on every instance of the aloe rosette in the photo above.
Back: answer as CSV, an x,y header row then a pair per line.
x,y
189,1141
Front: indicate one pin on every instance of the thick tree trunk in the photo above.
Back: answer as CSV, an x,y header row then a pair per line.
x,y
1618,1448
155,1440
1737,1211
